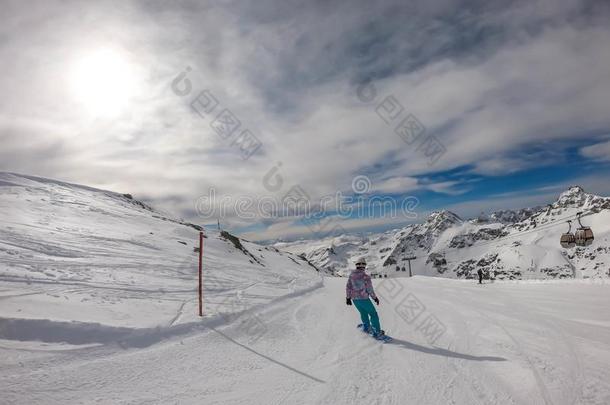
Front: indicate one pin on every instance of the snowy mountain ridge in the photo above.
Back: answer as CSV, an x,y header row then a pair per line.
x,y
507,244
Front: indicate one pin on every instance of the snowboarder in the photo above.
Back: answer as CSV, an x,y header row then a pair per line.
x,y
358,290
480,273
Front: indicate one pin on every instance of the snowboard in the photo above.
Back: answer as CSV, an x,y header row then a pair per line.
x,y
383,338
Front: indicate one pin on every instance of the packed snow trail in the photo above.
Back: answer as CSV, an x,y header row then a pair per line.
x,y
504,343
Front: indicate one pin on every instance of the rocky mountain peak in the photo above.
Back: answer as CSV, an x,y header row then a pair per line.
x,y
572,194
576,197
512,216
441,220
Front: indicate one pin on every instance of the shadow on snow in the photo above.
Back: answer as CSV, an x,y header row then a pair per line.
x,y
442,352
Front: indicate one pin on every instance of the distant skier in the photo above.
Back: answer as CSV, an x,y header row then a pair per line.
x,y
358,290
480,273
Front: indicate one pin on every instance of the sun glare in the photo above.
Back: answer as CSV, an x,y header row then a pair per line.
x,y
103,82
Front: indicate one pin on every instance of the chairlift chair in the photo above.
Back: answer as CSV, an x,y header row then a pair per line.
x,y
584,234
568,240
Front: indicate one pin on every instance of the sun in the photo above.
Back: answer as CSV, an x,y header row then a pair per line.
x,y
103,82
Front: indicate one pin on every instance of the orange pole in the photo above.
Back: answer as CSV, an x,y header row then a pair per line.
x,y
200,274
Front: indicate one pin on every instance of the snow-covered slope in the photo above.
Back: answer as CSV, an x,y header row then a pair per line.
x,y
506,244
504,343
73,253
97,305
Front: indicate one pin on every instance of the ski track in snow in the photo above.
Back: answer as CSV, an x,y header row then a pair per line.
x,y
178,314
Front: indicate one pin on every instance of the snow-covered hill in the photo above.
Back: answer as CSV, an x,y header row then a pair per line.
x,y
506,244
77,261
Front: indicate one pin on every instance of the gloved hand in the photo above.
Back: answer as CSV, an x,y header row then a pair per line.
x,y
376,300
348,301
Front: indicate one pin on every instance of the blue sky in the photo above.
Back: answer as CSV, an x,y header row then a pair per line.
x,y
516,92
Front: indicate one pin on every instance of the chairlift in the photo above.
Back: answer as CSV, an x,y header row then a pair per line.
x,y
568,240
584,234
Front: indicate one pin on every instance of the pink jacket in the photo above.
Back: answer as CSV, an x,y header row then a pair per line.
x,y
359,286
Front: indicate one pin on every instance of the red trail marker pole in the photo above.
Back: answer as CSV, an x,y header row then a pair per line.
x,y
200,274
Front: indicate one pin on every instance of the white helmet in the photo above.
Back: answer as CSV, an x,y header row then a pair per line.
x,y
361,262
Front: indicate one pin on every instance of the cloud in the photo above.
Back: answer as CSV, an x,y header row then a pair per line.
x,y
501,86
449,187
396,185
331,226
598,151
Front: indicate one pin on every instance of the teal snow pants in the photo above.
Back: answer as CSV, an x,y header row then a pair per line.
x,y
367,310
